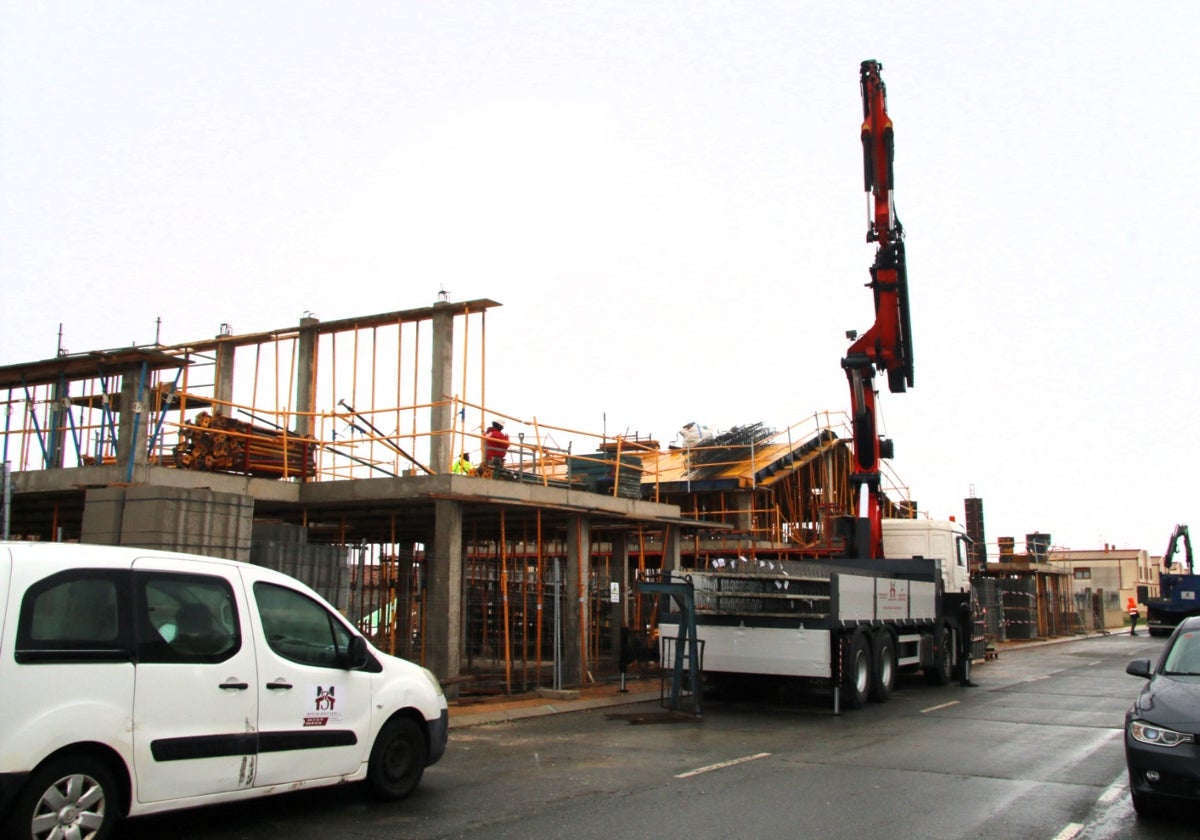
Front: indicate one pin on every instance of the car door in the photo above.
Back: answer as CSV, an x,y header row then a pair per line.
x,y
313,713
195,703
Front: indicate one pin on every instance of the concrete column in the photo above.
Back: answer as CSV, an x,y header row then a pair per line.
x,y
133,420
444,611
670,559
306,376
56,431
223,384
620,574
441,415
576,619
743,502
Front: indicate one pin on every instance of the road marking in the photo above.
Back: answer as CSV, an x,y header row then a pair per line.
x,y
1069,831
721,765
1042,677
943,706
1114,791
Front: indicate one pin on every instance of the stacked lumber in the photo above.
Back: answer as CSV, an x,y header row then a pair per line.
x,y
216,443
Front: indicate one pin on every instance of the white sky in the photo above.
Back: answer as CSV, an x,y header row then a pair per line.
x,y
667,198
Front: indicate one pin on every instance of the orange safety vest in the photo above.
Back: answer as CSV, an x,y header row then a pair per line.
x,y
1133,608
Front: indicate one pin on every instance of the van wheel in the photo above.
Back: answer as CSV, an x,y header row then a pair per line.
x,y
884,677
856,670
397,759
71,796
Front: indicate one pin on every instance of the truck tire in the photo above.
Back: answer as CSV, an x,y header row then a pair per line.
x,y
942,669
856,670
74,795
883,676
397,760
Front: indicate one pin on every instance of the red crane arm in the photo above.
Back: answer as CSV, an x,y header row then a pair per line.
x,y
887,344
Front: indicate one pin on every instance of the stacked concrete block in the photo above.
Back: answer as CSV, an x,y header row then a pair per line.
x,y
198,521
285,548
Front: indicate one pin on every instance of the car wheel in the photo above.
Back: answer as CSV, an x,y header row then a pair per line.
x,y
884,676
72,796
856,670
397,759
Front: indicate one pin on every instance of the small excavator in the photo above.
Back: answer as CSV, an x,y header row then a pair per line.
x,y
1178,594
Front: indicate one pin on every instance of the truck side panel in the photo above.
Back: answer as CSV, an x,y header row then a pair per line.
x,y
890,600
777,651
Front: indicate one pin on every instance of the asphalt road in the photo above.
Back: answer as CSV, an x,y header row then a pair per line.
x,y
1033,751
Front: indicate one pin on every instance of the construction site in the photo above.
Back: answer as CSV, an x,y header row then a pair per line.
x,y
325,450
366,457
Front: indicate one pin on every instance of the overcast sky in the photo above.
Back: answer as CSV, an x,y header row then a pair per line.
x,y
666,197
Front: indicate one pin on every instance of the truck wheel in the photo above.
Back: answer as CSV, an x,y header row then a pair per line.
x,y
940,672
856,670
884,676
397,760
71,796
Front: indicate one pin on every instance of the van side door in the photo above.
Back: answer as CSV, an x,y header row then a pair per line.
x,y
314,713
195,705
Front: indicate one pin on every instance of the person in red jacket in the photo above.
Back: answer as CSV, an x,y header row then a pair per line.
x,y
495,447
1132,607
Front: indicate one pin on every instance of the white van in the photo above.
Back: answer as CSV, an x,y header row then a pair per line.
x,y
136,681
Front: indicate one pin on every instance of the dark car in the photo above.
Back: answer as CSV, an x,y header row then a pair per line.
x,y
1162,726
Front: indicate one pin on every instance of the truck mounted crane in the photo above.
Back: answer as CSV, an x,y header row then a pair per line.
x,y
887,345
850,623
1178,594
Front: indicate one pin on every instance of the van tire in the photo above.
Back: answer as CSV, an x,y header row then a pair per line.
x,y
80,788
397,760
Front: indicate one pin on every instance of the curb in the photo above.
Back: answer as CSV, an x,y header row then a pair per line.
x,y
504,712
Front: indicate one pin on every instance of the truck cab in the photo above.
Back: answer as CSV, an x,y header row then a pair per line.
x,y
944,541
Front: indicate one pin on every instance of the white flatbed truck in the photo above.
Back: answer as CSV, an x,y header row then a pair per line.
x,y
850,624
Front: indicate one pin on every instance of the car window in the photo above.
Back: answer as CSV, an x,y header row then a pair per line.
x,y
185,618
1184,655
300,629
75,616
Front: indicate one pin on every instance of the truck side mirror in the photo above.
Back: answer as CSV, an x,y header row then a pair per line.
x,y
356,653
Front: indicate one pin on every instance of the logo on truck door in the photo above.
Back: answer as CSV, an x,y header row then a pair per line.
x,y
321,704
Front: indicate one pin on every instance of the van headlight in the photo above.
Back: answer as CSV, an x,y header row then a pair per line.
x,y
1158,736
437,686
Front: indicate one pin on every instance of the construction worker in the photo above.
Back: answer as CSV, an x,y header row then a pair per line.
x,y
463,465
1133,616
495,446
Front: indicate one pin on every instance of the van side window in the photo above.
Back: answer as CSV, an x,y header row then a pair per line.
x,y
185,618
75,616
300,629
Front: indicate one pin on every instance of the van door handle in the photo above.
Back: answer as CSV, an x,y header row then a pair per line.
x,y
233,685
278,685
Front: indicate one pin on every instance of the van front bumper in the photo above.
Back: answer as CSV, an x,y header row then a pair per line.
x,y
439,731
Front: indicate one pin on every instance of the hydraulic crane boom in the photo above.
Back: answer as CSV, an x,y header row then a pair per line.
x,y
887,345
1180,532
